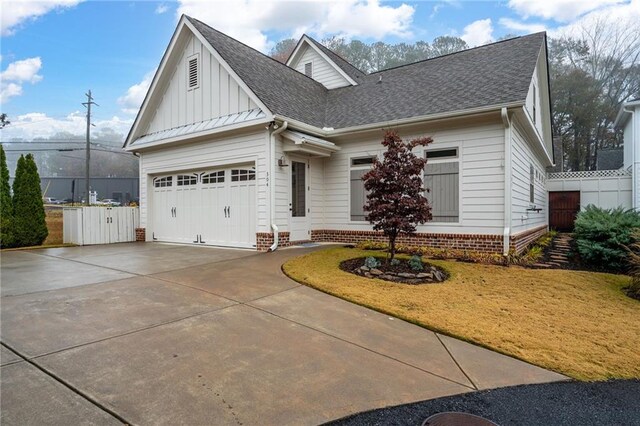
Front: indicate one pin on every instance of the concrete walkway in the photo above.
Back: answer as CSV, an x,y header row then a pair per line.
x,y
167,334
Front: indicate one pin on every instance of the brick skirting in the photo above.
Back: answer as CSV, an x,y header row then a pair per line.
x,y
520,241
141,234
472,242
264,240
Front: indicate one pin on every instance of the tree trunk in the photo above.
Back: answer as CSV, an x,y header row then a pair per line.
x,y
392,247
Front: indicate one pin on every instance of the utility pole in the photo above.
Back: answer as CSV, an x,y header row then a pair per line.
x,y
88,155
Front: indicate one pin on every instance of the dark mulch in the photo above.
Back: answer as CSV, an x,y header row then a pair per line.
x,y
352,265
564,403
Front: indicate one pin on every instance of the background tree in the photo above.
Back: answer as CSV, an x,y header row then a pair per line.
x,y
3,120
30,227
6,204
395,199
283,49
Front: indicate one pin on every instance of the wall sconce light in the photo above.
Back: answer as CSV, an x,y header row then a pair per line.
x,y
282,162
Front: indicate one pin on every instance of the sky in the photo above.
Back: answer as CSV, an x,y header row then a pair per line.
x,y
53,52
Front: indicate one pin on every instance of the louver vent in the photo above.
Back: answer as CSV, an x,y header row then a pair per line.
x,y
308,69
193,72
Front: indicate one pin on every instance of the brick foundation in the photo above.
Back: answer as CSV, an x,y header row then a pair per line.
x,y
141,234
472,242
264,240
520,241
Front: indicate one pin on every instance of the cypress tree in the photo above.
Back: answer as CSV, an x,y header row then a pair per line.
x,y
6,204
29,216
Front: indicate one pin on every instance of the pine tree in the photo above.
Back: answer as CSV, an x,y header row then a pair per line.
x,y
29,216
396,201
6,204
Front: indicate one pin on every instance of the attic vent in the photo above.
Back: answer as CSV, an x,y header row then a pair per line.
x,y
308,69
192,72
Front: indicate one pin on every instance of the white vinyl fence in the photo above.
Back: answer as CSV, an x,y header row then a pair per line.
x,y
100,225
604,188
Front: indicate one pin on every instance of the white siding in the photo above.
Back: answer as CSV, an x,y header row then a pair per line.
x,y
323,71
541,96
218,94
522,158
251,148
481,152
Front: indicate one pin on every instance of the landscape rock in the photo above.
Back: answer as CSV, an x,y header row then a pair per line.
x,y
424,275
406,275
376,272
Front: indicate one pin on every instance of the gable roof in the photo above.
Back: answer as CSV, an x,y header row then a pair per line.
x,y
345,66
485,76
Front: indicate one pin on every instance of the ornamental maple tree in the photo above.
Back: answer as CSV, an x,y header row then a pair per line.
x,y
395,201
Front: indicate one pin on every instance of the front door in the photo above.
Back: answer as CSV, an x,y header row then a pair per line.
x,y
299,229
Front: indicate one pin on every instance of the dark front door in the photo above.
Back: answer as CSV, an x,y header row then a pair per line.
x,y
563,208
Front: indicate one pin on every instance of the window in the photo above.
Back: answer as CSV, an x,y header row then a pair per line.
x,y
442,179
298,189
213,177
192,72
242,175
531,184
535,101
308,69
359,166
163,182
186,180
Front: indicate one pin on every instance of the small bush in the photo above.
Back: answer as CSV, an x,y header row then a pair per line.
x,y
602,234
634,266
415,263
371,262
372,245
395,262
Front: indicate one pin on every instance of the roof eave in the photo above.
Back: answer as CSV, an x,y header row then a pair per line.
x,y
624,114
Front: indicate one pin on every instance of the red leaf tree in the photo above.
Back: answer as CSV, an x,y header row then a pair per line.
x,y
395,202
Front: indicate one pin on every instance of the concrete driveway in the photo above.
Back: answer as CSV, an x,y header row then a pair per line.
x,y
150,333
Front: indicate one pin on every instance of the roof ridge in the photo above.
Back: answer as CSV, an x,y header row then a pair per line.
x,y
255,50
459,52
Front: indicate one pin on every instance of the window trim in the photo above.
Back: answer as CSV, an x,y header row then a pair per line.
x,y
459,159
532,186
535,101
163,181
195,56
351,167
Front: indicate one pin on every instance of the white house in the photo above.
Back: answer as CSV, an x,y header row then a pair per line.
x,y
237,149
628,120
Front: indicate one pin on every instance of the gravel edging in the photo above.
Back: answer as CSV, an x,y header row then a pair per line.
x,y
613,402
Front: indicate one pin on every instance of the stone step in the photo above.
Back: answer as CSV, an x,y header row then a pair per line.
x,y
541,265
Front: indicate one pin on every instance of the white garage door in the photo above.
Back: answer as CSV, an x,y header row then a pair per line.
x,y
215,207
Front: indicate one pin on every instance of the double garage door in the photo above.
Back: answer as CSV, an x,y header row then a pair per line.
x,y
214,207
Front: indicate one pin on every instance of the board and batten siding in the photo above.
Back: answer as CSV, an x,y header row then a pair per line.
x,y
522,158
322,71
217,95
210,154
481,179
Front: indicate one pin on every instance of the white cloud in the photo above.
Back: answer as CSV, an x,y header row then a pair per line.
x,y
521,27
18,72
248,20
558,10
478,32
40,125
23,70
619,17
134,97
15,13
162,8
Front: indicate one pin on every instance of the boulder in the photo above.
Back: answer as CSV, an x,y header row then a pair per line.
x,y
375,271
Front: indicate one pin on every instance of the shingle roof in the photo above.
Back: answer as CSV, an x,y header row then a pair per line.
x,y
345,66
497,73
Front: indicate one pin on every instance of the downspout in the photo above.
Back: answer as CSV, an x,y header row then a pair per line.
x,y
272,181
634,161
507,181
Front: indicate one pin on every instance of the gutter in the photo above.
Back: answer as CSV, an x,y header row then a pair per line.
x,y
330,132
507,181
272,180
634,153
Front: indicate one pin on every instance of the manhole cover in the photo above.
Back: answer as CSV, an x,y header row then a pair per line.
x,y
457,419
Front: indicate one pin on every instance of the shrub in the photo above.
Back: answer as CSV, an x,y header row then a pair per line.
x,y
395,262
415,263
634,266
371,262
6,204
602,234
372,245
30,227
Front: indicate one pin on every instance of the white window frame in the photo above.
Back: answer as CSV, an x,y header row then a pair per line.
x,y
440,146
349,169
198,68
